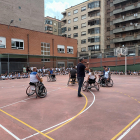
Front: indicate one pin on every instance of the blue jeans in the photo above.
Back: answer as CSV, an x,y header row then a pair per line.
x,y
80,82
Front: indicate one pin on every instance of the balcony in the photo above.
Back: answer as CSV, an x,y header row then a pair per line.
x,y
127,8
92,18
119,1
124,29
126,18
127,38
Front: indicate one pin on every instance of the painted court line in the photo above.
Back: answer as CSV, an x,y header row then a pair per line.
x,y
127,129
24,100
10,133
64,121
26,124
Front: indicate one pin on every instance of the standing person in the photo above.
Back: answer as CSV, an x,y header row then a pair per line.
x,y
81,74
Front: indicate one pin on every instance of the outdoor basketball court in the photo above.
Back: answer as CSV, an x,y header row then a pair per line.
x,y
110,114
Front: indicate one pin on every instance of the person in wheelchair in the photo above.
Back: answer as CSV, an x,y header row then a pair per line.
x,y
72,74
34,78
51,74
91,78
106,76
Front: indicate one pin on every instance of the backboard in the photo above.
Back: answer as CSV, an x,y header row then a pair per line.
x,y
120,51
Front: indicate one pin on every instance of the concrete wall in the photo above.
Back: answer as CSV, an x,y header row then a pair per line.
x,y
31,13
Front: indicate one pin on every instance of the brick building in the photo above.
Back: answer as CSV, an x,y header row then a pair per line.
x,y
25,46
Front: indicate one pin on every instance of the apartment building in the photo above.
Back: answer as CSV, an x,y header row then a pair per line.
x,y
28,14
125,25
52,25
85,22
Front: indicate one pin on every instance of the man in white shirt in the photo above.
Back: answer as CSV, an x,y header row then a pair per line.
x,y
106,76
34,78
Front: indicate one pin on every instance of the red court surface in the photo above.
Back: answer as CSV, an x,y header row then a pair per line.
x,y
106,114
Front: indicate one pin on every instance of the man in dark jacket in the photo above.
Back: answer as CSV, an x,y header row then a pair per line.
x,y
81,74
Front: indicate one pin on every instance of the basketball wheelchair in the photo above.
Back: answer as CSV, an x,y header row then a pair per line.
x,y
72,80
105,82
51,78
37,88
90,84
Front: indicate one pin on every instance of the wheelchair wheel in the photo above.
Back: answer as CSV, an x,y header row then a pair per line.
x,y
48,79
30,90
40,93
84,86
110,83
97,86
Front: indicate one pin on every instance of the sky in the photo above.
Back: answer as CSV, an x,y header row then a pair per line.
x,y
53,8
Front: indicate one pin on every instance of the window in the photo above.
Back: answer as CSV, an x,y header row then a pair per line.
x,y
75,11
17,44
75,19
69,13
61,48
19,19
54,24
63,30
108,28
94,22
55,30
94,4
75,27
48,28
94,30
108,11
69,21
94,39
61,64
83,8
75,35
108,46
70,49
108,20
45,49
83,25
83,49
69,36
45,60
70,64
19,7
69,29
94,48
83,16
47,21
83,33
83,41
2,42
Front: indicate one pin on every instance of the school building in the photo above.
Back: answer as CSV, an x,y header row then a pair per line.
x,y
22,47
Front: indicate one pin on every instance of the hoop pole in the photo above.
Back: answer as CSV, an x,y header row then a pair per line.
x,y
125,65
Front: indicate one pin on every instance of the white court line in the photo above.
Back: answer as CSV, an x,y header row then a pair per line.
x,y
22,101
64,121
128,130
9,132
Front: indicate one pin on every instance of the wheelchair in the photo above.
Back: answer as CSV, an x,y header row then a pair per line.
x,y
37,88
104,82
90,84
72,80
51,78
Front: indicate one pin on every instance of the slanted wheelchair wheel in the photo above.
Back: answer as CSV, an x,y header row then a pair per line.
x,y
30,91
41,94
110,83
97,86
84,86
